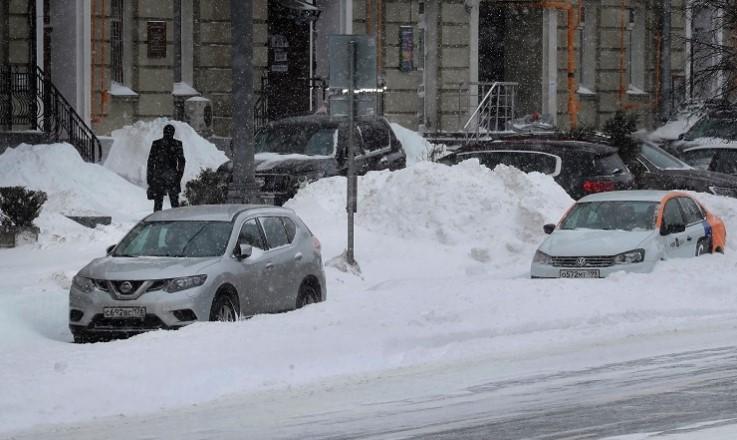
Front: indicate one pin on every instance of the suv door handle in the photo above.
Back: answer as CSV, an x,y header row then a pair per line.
x,y
298,256
688,238
269,265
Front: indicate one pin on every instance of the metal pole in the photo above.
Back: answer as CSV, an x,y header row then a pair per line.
x,y
243,188
665,71
351,190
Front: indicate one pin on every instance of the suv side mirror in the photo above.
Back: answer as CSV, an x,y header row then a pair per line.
x,y
110,249
549,228
243,251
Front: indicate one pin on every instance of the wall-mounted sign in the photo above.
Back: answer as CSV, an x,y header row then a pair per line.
x,y
156,39
406,48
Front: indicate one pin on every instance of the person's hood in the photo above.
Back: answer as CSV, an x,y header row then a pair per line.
x,y
146,268
295,164
593,242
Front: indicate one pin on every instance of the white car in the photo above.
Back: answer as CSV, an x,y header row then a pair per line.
x,y
626,231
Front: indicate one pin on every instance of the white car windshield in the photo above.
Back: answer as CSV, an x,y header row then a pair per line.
x,y
612,215
176,239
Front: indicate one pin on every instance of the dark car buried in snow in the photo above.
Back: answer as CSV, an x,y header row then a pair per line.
x,y
293,152
581,168
655,168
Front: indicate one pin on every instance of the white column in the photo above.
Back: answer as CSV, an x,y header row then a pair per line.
x,y
346,21
473,64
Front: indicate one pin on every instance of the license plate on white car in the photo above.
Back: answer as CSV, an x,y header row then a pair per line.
x,y
579,273
124,312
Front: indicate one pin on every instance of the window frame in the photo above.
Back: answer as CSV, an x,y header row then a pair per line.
x,y
558,160
117,41
262,235
262,219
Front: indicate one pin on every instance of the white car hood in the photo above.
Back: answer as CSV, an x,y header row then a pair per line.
x,y
591,242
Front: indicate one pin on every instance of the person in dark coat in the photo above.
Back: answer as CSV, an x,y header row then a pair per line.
x,y
165,169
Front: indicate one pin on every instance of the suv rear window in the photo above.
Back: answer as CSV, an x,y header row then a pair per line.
x,y
608,165
527,161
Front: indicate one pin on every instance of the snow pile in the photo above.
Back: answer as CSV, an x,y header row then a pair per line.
x,y
129,153
466,204
675,127
416,147
73,186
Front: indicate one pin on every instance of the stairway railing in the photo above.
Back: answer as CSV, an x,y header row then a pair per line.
x,y
493,112
30,101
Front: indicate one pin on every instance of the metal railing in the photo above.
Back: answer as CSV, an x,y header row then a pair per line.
x,y
30,101
497,107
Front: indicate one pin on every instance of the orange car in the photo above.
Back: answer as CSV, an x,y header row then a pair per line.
x,y
627,231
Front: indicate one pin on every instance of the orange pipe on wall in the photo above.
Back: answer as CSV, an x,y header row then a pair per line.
x,y
369,17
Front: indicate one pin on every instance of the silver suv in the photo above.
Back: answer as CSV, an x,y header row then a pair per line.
x,y
214,262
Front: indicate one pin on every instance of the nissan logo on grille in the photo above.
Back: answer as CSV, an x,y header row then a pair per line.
x,y
126,287
580,261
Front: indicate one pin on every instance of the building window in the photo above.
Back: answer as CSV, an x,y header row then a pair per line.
x,y
116,41
636,51
586,71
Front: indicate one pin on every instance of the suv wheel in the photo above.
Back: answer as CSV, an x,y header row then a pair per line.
x,y
224,308
307,295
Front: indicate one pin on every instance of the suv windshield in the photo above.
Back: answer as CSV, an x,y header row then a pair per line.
x,y
309,140
711,127
175,239
661,159
612,215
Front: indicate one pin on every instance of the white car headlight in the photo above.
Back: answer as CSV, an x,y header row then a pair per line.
x,y
542,258
84,284
629,257
183,283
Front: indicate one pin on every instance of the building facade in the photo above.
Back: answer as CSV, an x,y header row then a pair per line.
x,y
119,61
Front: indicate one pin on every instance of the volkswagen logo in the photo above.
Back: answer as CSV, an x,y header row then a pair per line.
x,y
580,261
126,287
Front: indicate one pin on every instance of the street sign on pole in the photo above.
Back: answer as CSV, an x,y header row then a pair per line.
x,y
352,74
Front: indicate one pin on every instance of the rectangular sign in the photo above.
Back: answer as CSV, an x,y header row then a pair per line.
x,y
406,48
156,39
340,59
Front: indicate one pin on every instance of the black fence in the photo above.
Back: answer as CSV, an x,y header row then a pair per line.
x,y
30,101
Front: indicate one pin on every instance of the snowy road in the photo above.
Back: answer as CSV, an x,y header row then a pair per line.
x,y
650,394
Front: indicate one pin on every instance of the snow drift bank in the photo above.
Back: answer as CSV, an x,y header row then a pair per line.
x,y
488,216
73,186
416,147
132,143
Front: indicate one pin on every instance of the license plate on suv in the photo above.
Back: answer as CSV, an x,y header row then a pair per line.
x,y
579,273
124,312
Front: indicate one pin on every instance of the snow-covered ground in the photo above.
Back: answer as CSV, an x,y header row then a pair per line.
x,y
444,255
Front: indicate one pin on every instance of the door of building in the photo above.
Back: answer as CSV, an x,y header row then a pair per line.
x,y
492,29
289,71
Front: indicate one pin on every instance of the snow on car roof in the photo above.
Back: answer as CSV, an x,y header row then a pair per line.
x,y
631,196
210,212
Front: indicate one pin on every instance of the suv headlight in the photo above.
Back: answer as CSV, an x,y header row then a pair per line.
x,y
542,258
183,283
629,257
84,284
